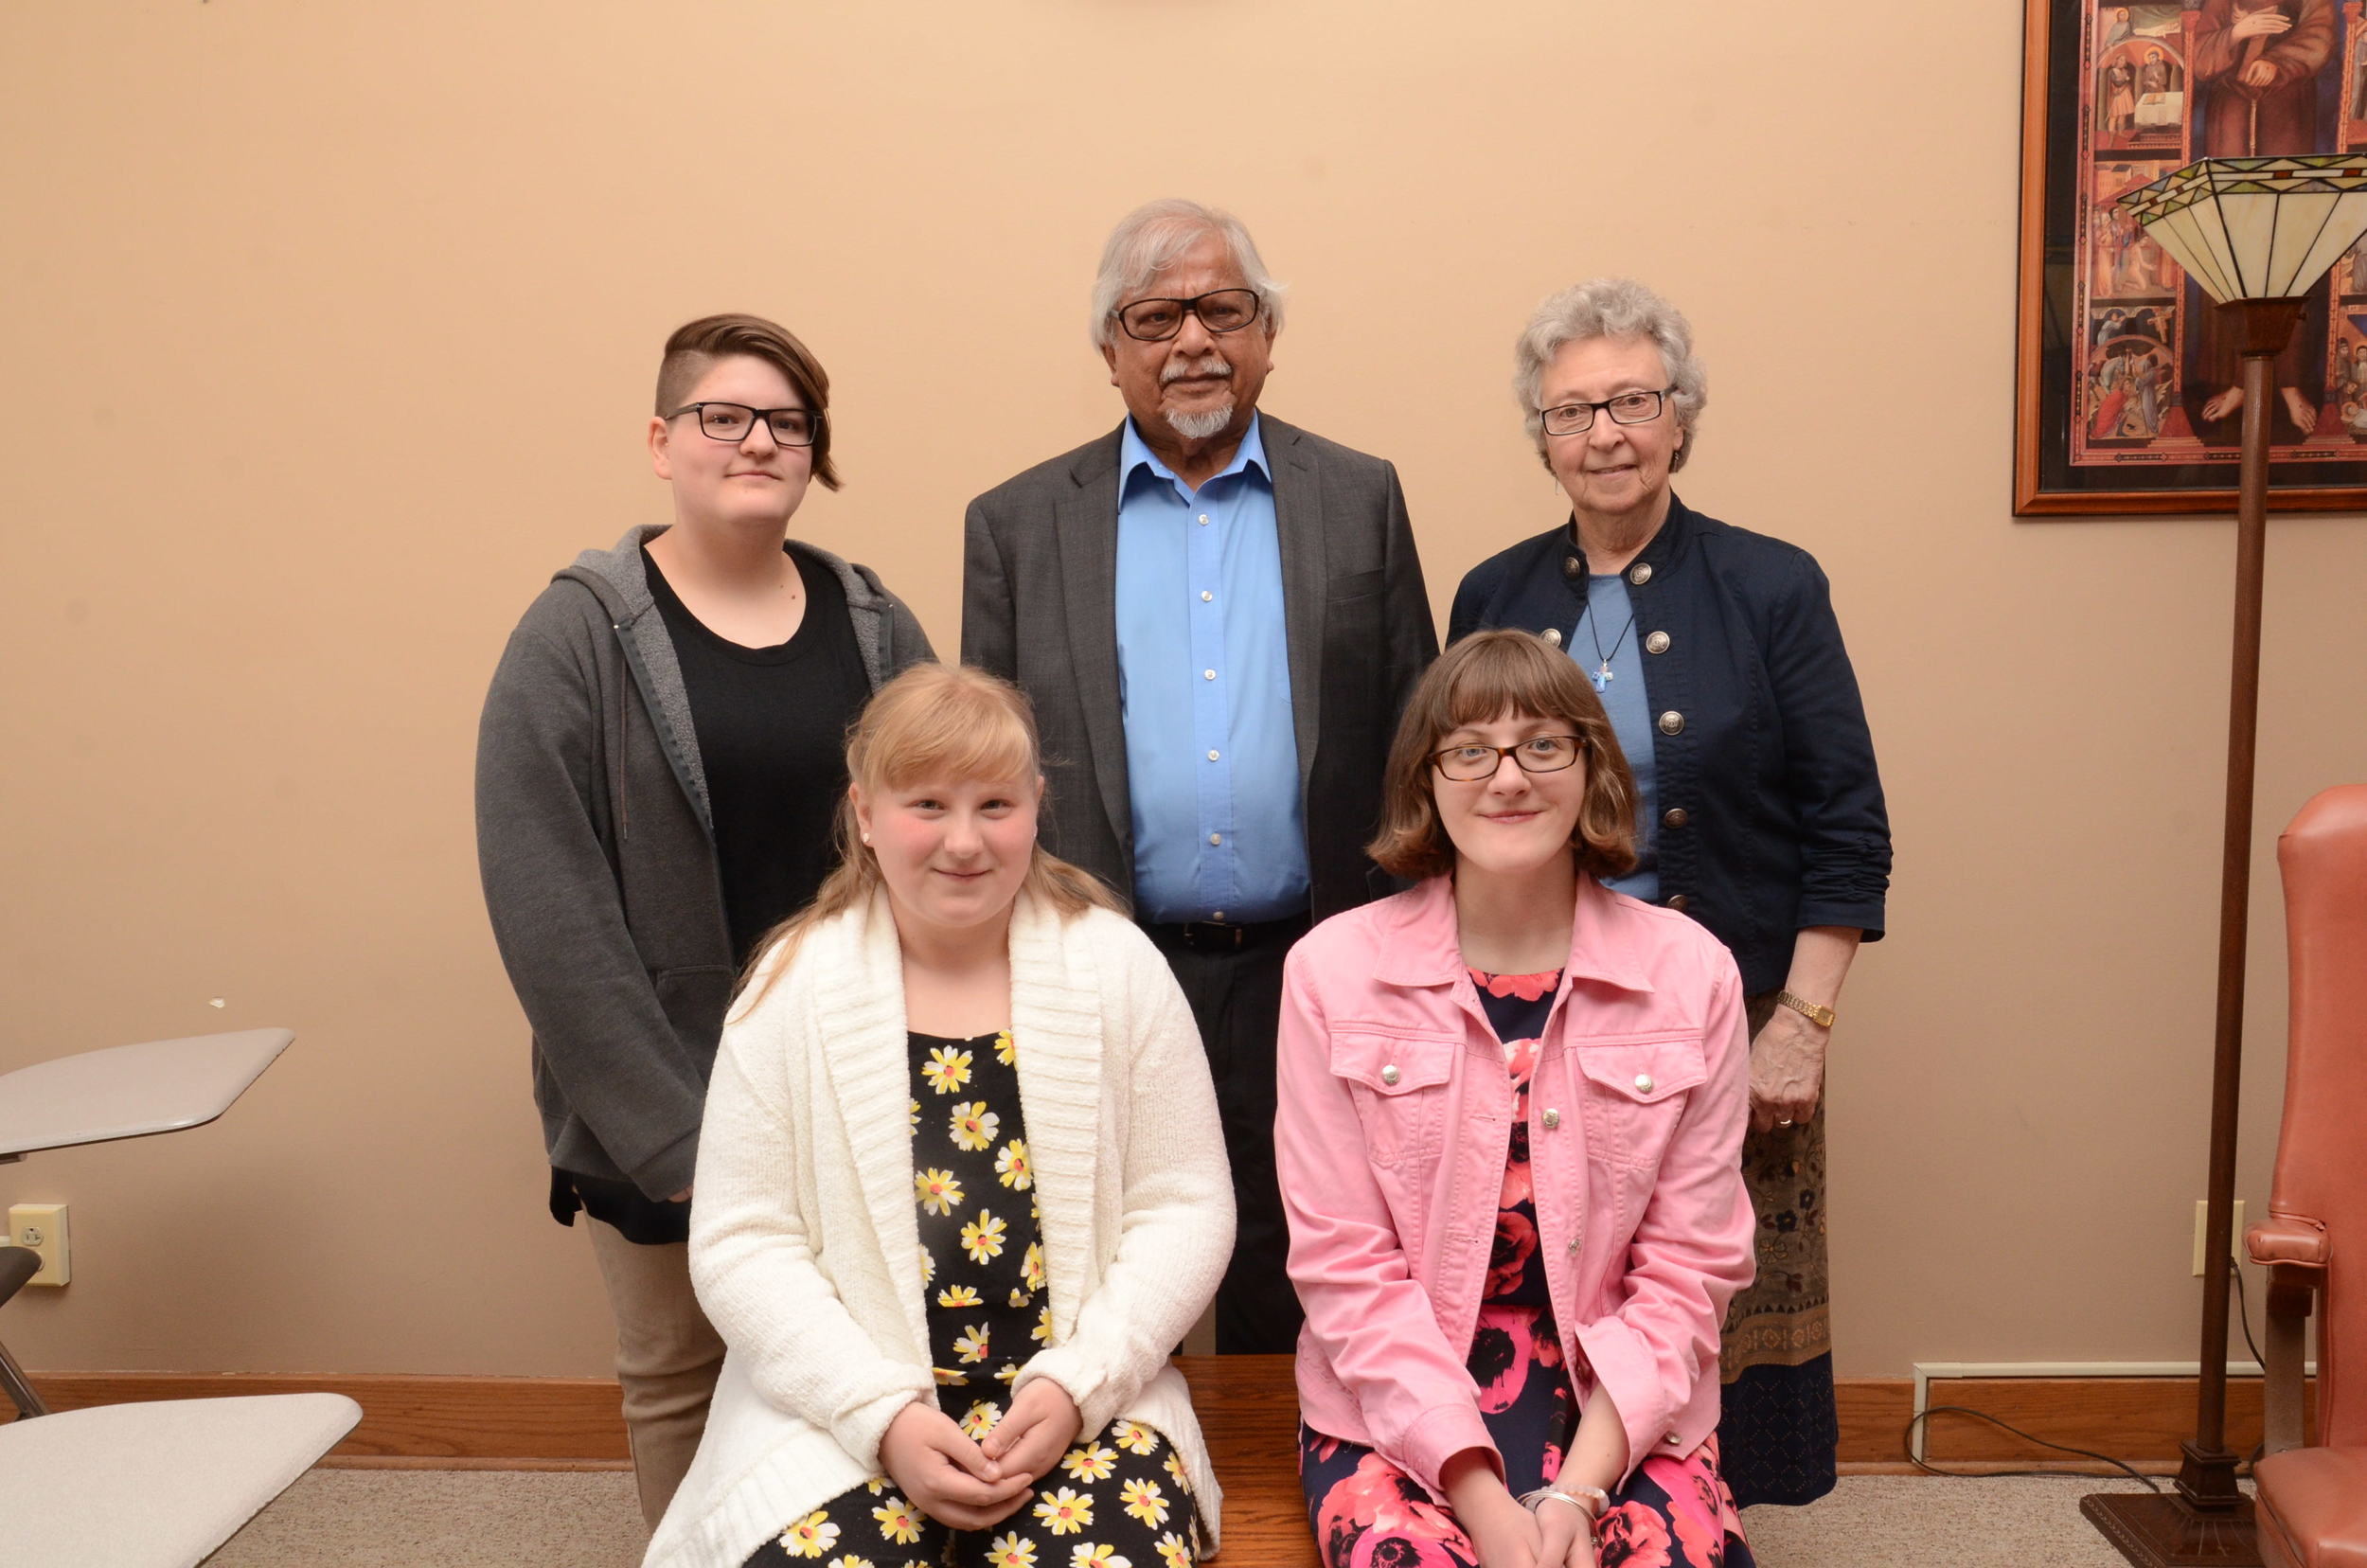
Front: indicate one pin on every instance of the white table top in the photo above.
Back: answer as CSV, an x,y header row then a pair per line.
x,y
132,1090
155,1485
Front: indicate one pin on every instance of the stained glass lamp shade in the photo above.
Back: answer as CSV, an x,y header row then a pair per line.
x,y
2257,228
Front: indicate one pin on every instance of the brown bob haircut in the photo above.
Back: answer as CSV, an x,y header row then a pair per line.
x,y
698,345
1486,676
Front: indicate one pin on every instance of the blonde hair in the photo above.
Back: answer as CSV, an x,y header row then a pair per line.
x,y
934,724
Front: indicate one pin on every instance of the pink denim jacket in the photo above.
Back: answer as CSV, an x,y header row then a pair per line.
x,y
1395,1126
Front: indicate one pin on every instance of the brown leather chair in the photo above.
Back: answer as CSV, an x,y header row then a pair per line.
x,y
2313,1501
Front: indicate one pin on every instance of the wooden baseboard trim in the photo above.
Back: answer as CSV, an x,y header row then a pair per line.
x,y
2139,1421
570,1423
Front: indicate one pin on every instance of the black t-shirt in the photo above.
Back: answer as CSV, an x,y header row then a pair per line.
x,y
772,726
772,729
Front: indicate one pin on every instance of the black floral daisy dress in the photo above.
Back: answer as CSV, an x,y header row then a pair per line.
x,y
1674,1512
1119,1499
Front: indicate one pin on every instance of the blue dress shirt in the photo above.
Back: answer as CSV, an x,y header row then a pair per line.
x,y
1212,762
1605,632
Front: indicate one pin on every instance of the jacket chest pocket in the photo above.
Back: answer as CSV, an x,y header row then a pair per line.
x,y
1634,1094
1400,1085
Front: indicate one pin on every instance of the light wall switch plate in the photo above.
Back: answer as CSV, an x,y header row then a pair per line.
x,y
42,1227
2235,1232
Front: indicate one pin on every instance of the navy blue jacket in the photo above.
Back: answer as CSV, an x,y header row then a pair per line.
x,y
1769,806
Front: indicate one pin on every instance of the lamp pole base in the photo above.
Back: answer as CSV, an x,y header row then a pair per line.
x,y
2181,1529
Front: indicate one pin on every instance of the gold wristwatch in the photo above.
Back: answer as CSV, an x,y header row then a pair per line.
x,y
1820,1016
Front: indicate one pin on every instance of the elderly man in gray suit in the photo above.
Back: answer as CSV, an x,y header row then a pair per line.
x,y
1219,617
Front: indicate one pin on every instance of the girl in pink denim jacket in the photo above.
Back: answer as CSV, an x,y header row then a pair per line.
x,y
1512,1104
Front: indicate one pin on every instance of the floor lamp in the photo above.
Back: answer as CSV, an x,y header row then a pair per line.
x,y
2256,234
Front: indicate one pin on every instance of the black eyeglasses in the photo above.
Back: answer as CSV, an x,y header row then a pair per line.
x,y
1539,753
1627,408
1220,310
732,421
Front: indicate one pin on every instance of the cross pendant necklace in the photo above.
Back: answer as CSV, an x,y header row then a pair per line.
x,y
1600,675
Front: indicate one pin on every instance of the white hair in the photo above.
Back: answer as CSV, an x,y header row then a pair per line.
x,y
1148,239
1612,307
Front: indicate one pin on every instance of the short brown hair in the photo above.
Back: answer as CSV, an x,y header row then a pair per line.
x,y
1485,677
697,344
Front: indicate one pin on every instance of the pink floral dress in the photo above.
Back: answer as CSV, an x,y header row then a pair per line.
x,y
1673,1512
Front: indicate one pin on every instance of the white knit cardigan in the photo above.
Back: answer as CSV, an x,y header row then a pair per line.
x,y
805,1247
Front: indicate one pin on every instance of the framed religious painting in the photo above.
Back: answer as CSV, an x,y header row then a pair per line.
x,y
2127,397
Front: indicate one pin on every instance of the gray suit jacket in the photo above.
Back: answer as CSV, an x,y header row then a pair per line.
x,y
1039,607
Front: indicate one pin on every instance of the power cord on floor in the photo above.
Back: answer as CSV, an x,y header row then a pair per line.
x,y
2243,1312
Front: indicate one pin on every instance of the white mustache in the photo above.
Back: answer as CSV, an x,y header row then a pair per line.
x,y
1207,364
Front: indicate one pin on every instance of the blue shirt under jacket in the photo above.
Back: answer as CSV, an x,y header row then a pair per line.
x,y
1212,760
1768,805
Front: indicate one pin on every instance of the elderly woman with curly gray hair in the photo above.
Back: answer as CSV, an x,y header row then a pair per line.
x,y
1759,813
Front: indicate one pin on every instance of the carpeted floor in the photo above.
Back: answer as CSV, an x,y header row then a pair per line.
x,y
511,1519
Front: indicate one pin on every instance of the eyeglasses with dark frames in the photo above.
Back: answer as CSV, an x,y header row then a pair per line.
x,y
1575,419
1539,753
1220,310
731,422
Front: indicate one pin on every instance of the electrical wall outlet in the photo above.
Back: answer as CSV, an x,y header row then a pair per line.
x,y
2203,1218
42,1227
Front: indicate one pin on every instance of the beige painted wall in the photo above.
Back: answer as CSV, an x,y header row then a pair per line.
x,y
330,329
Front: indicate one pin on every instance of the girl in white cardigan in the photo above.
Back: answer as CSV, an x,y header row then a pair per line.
x,y
960,1188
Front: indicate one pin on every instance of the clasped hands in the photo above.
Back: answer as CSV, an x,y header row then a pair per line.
x,y
1505,1535
972,1486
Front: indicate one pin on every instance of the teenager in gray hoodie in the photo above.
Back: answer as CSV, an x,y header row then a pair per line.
x,y
659,762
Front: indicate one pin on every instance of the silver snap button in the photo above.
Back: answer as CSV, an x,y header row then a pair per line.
x,y
1671,722
1656,643
1389,1075
1553,1119
1640,573
1644,1083
1553,634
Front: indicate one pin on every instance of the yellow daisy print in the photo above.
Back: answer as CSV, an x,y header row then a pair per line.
x,y
850,1560
1090,1462
1013,1168
976,1128
1031,1266
1174,1468
1020,1297
1007,1373
1143,1499
957,1296
1006,1050
980,1420
911,1120
983,1237
948,1069
971,1344
939,1191
928,1267
899,1522
1088,1554
1065,1511
1043,1331
947,1377
810,1535
1134,1437
1174,1551
1013,1550
876,1484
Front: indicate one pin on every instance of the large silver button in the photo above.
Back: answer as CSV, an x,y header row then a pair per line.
x,y
1553,634
1640,573
1644,1083
1574,1243
1656,642
1571,566
1673,1440
1389,1075
1673,817
1671,722
1679,902
1552,1118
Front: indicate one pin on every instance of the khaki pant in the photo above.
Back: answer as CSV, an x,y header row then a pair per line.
x,y
668,1357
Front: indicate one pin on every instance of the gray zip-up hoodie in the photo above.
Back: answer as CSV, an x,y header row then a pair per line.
x,y
598,848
